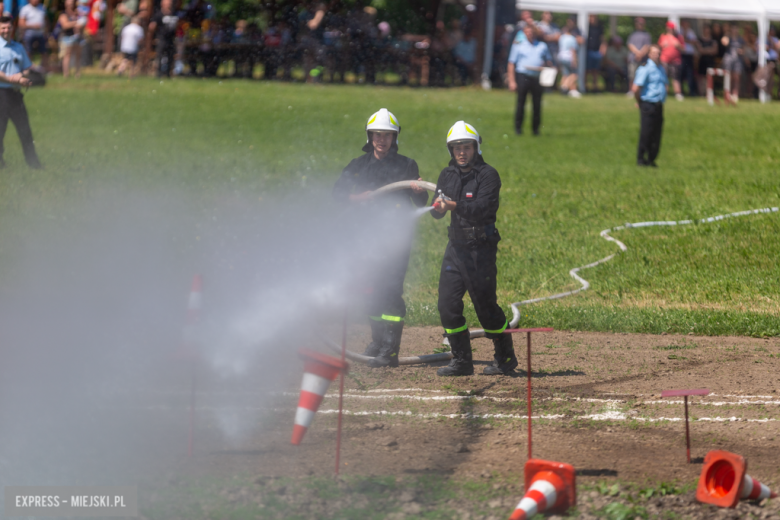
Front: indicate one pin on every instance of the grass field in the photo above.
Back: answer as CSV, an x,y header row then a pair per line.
x,y
560,190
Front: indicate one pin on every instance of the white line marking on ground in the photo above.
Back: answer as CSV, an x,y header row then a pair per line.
x,y
697,402
608,416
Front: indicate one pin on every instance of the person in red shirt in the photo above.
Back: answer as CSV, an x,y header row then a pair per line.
x,y
671,45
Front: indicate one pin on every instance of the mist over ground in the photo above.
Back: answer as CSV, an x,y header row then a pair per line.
x,y
93,385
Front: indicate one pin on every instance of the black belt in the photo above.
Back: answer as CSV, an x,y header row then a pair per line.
x,y
471,233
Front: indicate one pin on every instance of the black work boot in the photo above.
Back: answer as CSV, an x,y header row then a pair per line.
x,y
504,360
389,347
461,364
377,328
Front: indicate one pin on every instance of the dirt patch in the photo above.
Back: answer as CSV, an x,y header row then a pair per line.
x,y
596,405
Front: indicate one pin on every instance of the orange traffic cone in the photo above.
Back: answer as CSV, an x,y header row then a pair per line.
x,y
319,371
724,481
549,487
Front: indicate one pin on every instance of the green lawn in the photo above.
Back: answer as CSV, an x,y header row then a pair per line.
x,y
560,190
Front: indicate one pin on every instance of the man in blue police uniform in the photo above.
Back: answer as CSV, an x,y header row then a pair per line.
x,y
649,90
13,63
526,58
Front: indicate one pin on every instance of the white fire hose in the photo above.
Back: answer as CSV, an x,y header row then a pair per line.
x,y
480,333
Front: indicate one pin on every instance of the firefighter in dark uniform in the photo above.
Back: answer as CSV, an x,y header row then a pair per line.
x,y
468,188
379,166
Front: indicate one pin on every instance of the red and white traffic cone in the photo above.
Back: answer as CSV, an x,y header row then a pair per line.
x,y
550,488
194,303
752,489
724,481
319,371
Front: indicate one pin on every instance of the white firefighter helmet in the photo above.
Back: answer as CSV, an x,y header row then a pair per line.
x,y
462,131
384,120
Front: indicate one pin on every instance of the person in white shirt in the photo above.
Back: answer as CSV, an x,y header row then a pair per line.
x,y
131,37
32,22
567,60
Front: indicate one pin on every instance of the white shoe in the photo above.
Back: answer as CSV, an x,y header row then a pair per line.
x,y
575,94
678,97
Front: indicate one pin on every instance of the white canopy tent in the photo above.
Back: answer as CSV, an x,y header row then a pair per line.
x,y
760,11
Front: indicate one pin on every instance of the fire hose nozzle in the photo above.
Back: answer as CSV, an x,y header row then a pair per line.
x,y
442,196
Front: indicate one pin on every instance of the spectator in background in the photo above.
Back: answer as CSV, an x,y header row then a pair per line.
x,y
32,22
526,59
688,51
638,45
273,44
772,49
123,13
311,38
3,10
650,93
772,44
616,64
707,48
13,63
455,34
718,32
671,45
567,60
732,60
70,38
596,50
750,60
244,58
526,20
571,23
550,33
441,55
163,26
129,42
465,53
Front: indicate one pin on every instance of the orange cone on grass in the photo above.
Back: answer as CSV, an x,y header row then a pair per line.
x,y
550,488
319,371
724,481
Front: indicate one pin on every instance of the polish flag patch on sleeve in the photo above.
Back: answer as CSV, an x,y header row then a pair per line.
x,y
469,195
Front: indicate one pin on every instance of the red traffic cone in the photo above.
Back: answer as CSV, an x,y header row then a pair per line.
x,y
724,481
319,371
549,487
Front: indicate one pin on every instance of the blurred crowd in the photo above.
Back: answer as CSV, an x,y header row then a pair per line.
x,y
327,44
687,52
315,41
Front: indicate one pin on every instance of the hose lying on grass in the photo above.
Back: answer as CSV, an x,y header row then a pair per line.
x,y
480,333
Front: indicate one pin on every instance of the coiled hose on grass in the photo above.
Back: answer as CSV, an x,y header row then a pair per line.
x,y
480,333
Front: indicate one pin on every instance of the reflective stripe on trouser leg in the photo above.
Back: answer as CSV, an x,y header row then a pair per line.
x,y
498,331
455,331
